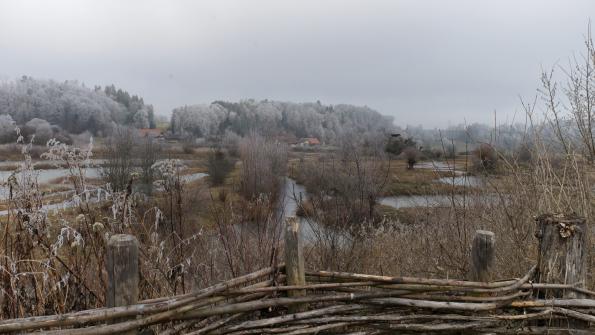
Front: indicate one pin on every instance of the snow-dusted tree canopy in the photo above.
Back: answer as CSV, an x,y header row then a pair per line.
x,y
267,117
6,128
72,106
138,114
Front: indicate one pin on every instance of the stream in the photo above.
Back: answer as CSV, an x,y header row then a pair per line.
x,y
290,195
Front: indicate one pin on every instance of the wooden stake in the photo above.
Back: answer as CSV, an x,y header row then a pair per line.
x,y
294,262
483,255
122,271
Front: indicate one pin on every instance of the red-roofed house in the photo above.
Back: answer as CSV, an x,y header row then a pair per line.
x,y
308,142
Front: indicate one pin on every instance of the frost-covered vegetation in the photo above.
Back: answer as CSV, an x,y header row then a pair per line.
x,y
325,122
68,108
355,198
464,137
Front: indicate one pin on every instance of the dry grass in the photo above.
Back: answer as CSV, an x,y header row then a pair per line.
x,y
436,241
215,233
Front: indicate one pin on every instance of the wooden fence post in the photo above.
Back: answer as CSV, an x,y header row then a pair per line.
x,y
122,271
562,253
483,253
562,259
294,261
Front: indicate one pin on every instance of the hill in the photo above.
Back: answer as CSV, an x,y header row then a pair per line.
x,y
326,122
71,106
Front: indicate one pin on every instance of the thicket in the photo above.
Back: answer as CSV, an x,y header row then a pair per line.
x,y
219,165
127,155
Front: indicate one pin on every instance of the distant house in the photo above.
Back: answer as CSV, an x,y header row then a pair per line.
x,y
308,142
285,138
151,133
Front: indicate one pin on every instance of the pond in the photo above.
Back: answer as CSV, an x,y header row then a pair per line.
x,y
462,180
410,201
293,193
44,177
48,175
438,166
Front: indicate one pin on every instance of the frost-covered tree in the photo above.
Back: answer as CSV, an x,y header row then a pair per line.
x,y
328,123
199,120
72,106
137,114
7,129
41,129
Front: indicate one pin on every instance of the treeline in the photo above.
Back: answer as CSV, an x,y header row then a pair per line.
x,y
466,137
137,113
70,107
325,122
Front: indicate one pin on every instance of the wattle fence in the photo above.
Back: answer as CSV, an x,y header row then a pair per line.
x,y
286,299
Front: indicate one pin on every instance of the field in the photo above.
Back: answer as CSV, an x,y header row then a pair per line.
x,y
361,211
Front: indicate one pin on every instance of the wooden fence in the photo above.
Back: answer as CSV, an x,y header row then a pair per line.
x,y
287,299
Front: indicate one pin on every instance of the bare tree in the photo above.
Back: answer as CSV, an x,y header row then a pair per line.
x,y
149,152
486,156
120,158
345,186
264,162
411,154
573,118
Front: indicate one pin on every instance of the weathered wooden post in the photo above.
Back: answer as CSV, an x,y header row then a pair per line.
x,y
562,253
122,271
483,253
562,259
294,261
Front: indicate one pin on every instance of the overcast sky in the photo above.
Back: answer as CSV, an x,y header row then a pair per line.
x,y
424,62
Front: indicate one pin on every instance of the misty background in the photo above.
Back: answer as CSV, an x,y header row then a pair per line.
x,y
423,62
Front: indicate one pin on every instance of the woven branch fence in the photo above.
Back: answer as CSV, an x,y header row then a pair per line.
x,y
286,299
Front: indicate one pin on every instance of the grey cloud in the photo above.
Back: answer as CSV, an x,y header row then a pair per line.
x,y
428,62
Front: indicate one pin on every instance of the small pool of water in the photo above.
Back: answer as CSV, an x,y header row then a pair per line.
x,y
194,176
409,201
462,180
46,176
438,166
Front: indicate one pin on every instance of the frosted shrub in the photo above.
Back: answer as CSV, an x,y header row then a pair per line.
x,y
34,256
76,160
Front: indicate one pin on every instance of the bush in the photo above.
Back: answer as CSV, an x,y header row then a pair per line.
x,y
397,145
41,129
411,154
231,142
187,146
119,152
218,166
524,153
486,156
